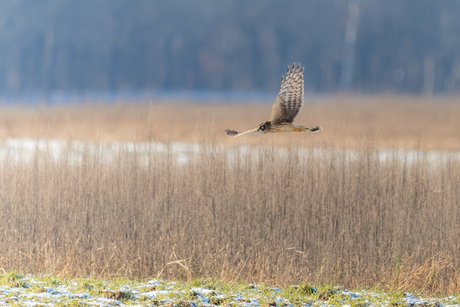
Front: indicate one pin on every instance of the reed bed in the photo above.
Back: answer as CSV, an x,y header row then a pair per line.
x,y
281,211
348,121
259,214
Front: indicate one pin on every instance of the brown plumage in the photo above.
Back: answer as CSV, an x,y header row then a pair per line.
x,y
286,107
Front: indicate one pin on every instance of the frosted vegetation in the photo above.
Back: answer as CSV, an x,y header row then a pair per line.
x,y
47,290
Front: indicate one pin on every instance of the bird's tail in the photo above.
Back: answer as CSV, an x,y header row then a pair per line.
x,y
312,129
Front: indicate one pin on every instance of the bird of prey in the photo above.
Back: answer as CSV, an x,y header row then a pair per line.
x,y
286,107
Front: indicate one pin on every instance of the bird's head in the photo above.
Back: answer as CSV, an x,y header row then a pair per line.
x,y
264,127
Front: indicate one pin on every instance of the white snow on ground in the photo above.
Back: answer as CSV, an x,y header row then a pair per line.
x,y
170,294
73,151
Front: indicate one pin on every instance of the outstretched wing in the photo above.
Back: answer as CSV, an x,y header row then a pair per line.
x,y
290,98
234,133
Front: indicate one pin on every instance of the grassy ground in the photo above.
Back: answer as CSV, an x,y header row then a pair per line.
x,y
257,214
49,290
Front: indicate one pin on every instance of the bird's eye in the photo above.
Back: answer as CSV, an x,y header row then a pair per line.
x,y
262,127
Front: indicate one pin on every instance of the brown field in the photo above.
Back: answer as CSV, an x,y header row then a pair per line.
x,y
348,122
329,218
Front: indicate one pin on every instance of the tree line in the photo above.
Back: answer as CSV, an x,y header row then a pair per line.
x,y
408,46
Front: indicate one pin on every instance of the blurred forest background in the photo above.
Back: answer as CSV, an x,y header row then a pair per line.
x,y
370,46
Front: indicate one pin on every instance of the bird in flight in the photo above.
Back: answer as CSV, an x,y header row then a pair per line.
x,y
286,107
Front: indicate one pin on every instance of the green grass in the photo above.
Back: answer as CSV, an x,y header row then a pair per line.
x,y
60,291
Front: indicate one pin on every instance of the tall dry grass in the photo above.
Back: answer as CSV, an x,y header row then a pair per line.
x,y
408,122
271,213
